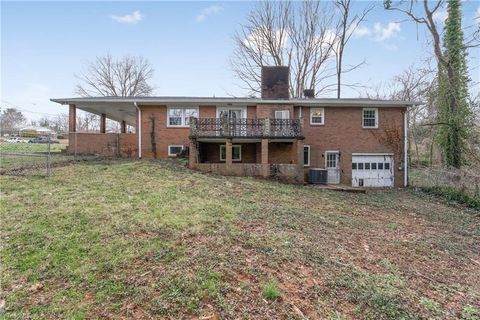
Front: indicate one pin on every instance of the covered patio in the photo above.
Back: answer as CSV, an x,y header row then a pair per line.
x,y
103,143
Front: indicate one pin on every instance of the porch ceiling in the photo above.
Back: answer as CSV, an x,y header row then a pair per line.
x,y
118,111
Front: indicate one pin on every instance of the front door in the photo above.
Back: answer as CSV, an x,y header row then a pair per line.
x,y
333,167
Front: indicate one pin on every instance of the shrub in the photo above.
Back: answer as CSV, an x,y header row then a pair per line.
x,y
451,194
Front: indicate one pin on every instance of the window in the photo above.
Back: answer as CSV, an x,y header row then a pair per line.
x,y
370,118
174,150
236,152
180,117
367,165
387,166
317,116
380,166
331,160
282,114
360,166
374,166
306,156
354,166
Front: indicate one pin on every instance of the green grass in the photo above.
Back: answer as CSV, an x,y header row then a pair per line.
x,y
152,239
270,290
31,147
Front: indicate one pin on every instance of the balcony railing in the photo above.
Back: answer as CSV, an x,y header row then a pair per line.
x,y
246,128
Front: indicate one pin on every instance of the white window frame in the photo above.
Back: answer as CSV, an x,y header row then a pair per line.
x,y
376,118
184,119
309,155
282,113
239,146
311,117
170,154
338,158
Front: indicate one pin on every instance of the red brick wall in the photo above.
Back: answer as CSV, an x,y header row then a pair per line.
x,y
280,152
211,152
251,112
268,110
104,144
128,145
343,132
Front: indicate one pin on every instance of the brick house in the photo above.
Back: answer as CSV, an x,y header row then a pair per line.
x,y
359,142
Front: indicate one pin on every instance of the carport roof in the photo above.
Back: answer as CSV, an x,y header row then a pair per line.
x,y
123,108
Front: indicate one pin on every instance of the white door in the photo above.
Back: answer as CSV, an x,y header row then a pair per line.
x,y
233,117
333,167
372,170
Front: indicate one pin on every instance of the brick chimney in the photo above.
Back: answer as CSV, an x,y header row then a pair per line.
x,y
275,82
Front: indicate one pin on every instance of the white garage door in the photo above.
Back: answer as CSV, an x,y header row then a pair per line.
x,y
372,170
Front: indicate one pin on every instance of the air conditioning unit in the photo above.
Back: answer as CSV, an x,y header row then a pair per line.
x,y
317,176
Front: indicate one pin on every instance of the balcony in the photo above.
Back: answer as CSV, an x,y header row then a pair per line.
x,y
228,128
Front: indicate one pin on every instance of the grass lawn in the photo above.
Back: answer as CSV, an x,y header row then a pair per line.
x,y
155,240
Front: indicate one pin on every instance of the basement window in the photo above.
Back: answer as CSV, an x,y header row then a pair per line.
x,y
236,152
317,116
180,116
370,118
174,150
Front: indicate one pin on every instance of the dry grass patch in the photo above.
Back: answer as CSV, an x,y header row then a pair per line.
x,y
153,239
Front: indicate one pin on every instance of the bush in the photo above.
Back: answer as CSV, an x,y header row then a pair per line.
x,y
451,194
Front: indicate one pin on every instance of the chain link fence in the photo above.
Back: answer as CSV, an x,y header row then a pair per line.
x,y
33,154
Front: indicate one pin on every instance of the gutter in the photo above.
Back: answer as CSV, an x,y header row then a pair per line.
x,y
139,130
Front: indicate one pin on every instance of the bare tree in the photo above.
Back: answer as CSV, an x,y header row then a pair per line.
x,y
128,76
60,123
88,122
454,120
346,28
11,119
418,84
278,33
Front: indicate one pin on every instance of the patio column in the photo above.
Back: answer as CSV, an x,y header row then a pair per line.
x,y
265,165
299,162
123,127
72,118
228,157
192,155
103,123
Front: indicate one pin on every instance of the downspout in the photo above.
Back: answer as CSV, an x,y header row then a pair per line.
x,y
405,148
139,130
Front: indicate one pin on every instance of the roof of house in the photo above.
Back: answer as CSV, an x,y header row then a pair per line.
x,y
239,100
124,108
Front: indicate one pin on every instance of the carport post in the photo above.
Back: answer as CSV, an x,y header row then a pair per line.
x,y
228,156
72,118
123,127
103,123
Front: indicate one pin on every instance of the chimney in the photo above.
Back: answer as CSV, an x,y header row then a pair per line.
x,y
275,82
309,93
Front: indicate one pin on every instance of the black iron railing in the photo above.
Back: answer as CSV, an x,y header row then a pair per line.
x,y
245,128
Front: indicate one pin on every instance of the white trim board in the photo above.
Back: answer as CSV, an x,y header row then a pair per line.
x,y
372,154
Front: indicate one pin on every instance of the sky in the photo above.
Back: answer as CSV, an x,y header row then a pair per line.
x,y
189,44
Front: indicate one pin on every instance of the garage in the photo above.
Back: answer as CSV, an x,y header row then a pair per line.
x,y
372,170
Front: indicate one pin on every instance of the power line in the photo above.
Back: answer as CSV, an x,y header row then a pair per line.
x,y
28,111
